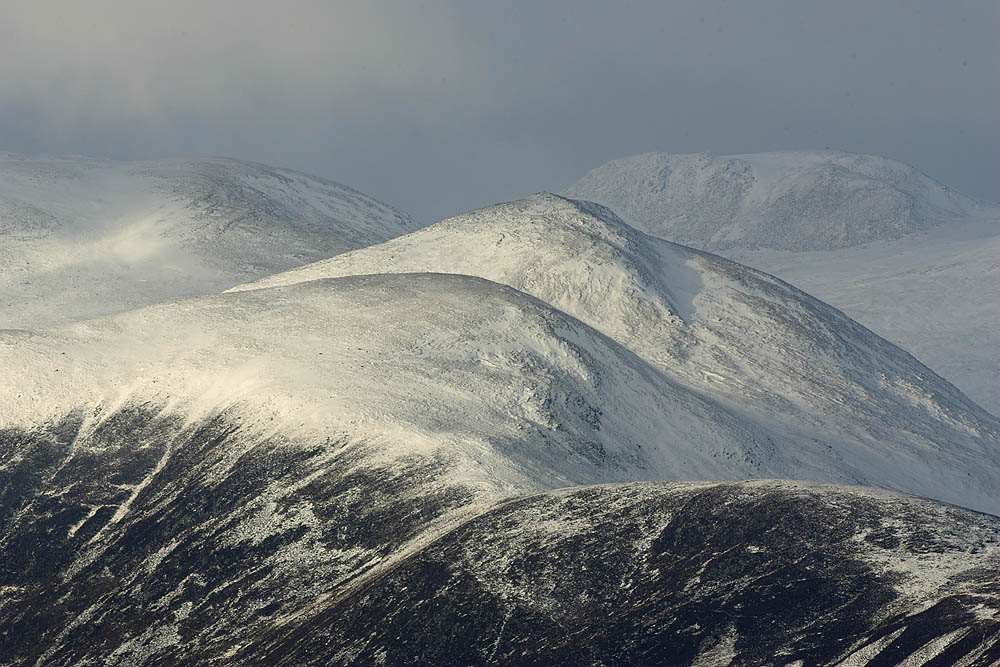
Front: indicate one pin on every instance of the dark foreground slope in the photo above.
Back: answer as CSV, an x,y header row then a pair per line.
x,y
754,573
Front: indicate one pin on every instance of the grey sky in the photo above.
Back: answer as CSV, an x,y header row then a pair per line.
x,y
442,106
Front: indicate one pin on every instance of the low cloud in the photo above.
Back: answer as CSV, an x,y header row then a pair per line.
x,y
442,105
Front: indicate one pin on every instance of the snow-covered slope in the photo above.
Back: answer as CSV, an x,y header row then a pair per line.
x,y
935,293
499,379
852,402
902,254
81,238
793,200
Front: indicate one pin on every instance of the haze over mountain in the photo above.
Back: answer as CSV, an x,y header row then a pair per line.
x,y
253,417
908,257
81,237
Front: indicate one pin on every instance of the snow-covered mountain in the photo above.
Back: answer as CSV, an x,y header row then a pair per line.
x,y
81,238
357,461
791,200
492,376
852,403
907,257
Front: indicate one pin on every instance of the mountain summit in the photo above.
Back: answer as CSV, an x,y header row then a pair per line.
x,y
904,255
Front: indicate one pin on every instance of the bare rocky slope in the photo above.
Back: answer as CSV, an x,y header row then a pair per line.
x,y
81,238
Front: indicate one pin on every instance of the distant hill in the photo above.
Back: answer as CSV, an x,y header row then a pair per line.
x,y
81,238
793,200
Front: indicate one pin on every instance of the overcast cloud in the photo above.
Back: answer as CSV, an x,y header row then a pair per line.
x,y
442,106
